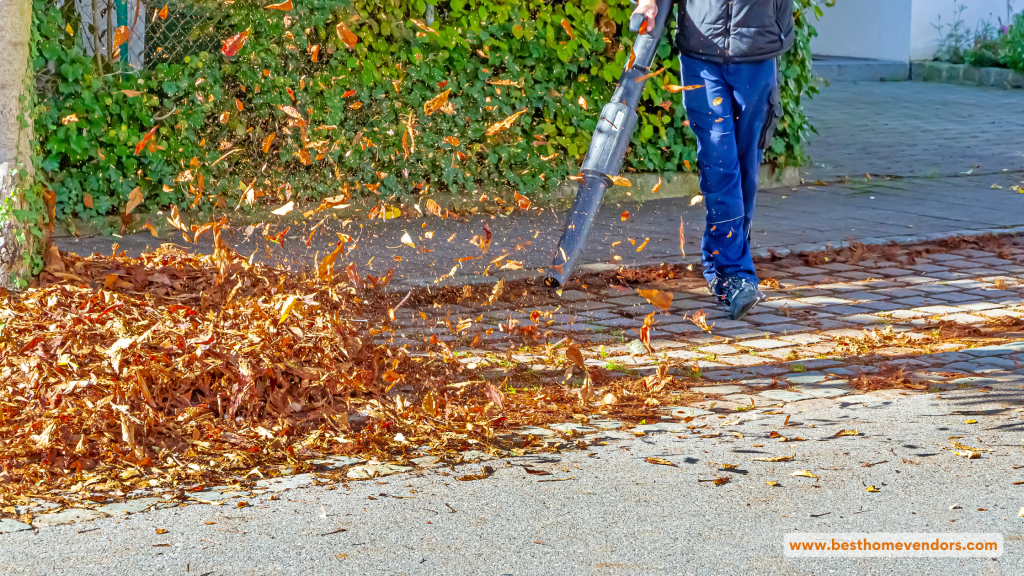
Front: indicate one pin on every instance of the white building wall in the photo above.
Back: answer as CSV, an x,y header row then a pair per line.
x,y
877,29
924,38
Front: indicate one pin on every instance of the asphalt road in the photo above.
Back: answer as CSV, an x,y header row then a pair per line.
x,y
614,513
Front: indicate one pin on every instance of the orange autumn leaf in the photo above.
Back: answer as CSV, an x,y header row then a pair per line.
x,y
643,26
291,112
567,28
152,229
621,181
238,104
145,140
656,186
419,24
234,44
658,298
504,124
163,12
650,75
450,140
131,93
267,142
624,216
687,164
522,201
632,58
355,105
346,35
348,94
682,238
134,199
442,84
676,89
644,245
435,103
121,35
87,200
283,6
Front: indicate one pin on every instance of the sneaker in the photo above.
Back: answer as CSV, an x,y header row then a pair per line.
x,y
741,295
715,289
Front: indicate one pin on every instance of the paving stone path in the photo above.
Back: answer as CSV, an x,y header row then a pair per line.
x,y
792,355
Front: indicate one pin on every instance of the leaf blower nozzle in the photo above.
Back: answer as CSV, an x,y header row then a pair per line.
x,y
608,147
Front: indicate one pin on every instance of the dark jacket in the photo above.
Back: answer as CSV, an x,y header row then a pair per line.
x,y
725,31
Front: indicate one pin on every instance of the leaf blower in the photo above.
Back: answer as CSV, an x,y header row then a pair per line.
x,y
608,146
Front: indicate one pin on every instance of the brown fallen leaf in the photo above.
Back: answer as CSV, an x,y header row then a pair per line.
x,y
485,472
773,458
161,531
661,461
535,471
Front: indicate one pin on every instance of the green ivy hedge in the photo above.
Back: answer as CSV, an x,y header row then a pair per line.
x,y
363,120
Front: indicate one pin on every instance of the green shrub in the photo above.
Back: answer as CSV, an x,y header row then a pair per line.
x,y
1013,44
363,122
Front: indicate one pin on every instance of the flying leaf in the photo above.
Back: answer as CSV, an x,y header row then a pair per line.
x,y
499,287
658,298
121,35
582,102
696,200
621,181
632,58
522,201
435,103
87,200
656,186
284,209
407,240
419,24
650,75
624,216
567,28
717,101
644,245
805,473
675,89
660,461
291,112
135,198
682,238
504,124
69,119
267,142
346,35
573,353
70,30
152,229
145,140
232,45
131,93
163,12
283,6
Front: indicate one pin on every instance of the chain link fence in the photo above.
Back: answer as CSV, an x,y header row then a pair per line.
x,y
132,35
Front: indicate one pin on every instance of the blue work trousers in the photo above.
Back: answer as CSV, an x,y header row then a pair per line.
x,y
728,116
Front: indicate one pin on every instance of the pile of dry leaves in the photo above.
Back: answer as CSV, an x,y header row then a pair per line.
x,y
182,367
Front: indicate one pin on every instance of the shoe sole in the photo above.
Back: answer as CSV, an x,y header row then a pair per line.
x,y
739,314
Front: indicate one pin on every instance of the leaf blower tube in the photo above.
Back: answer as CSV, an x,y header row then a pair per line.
x,y
607,148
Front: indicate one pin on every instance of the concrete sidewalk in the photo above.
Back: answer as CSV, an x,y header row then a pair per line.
x,y
941,163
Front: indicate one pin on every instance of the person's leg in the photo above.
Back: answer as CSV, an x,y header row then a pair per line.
x,y
752,86
711,110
